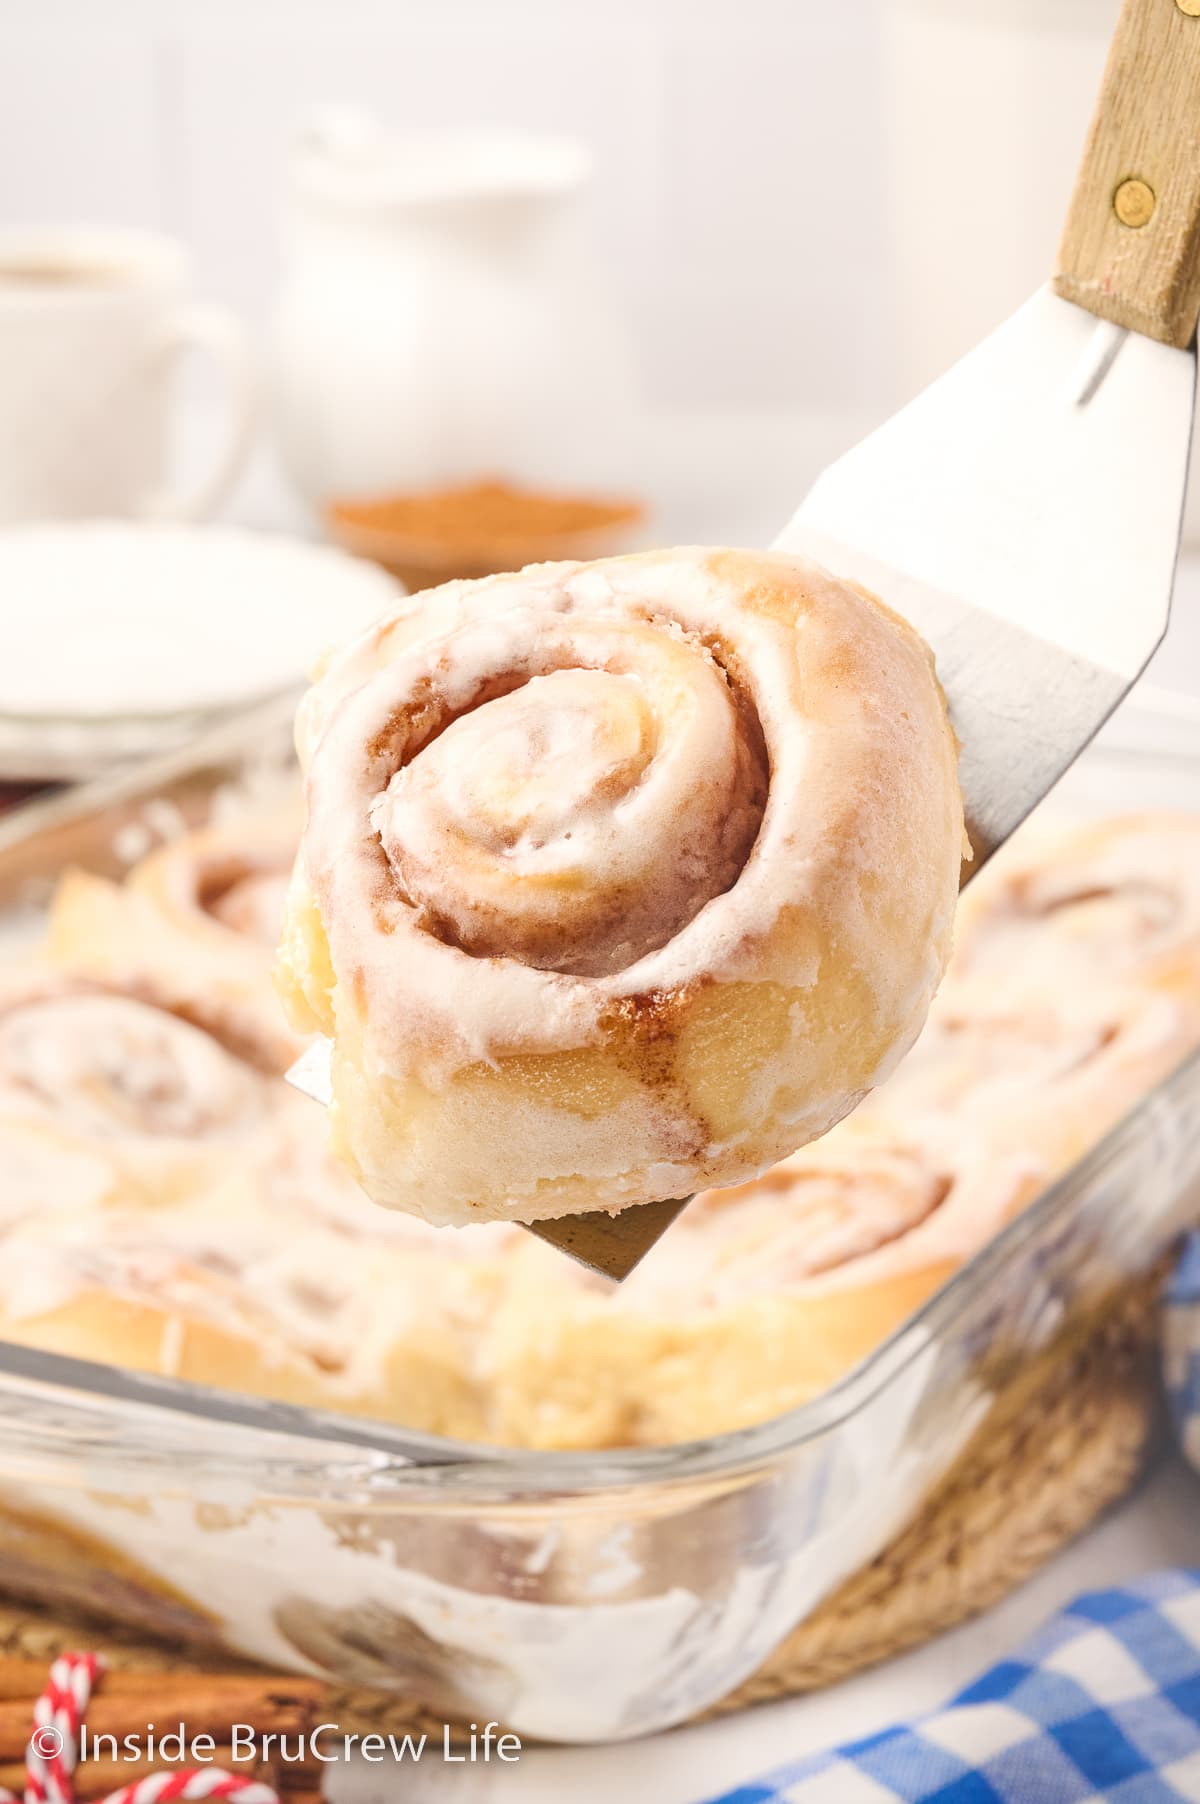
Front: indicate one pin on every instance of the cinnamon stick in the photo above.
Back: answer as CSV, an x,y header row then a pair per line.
x,y
27,1679
205,1703
294,1776
97,1778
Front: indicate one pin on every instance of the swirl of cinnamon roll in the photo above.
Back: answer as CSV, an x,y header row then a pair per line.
x,y
111,1065
761,1297
105,1093
1041,1078
225,883
152,934
617,880
1112,902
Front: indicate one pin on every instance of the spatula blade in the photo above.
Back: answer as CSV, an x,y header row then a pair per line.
x,y
1024,514
610,1245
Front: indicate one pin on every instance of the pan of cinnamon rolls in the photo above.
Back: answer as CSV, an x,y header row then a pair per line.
x,y
169,1204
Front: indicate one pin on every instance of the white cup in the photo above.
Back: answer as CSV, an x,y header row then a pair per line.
x,y
91,323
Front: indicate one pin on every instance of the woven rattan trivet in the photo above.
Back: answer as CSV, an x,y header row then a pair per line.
x,y
1065,1440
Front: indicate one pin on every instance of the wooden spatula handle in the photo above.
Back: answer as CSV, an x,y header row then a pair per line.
x,y
1131,248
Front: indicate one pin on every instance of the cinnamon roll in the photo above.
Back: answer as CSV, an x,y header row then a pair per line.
x,y
1111,902
164,1205
1051,1073
617,880
145,935
227,883
766,1293
128,1096
760,1298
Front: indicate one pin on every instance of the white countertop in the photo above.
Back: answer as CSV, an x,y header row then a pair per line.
x,y
1158,1526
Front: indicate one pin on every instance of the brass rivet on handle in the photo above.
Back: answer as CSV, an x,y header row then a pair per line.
x,y
1190,7
1134,201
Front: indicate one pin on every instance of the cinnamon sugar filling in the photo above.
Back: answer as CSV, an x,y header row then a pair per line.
x,y
576,817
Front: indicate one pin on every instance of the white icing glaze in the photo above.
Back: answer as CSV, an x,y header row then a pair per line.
x,y
1118,900
109,1065
235,874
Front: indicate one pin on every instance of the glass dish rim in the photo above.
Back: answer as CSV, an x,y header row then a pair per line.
x,y
349,1449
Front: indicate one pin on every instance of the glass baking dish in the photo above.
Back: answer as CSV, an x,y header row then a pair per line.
x,y
574,1596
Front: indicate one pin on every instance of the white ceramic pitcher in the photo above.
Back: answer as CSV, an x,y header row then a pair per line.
x,y
442,317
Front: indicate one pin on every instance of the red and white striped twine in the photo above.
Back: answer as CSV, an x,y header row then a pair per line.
x,y
50,1767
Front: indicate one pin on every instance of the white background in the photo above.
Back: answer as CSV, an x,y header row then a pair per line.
x,y
801,204
805,210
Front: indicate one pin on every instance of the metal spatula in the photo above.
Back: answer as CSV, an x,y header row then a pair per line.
x,y
1024,512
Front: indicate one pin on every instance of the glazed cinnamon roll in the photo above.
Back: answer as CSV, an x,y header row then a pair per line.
x,y
766,1293
118,1088
166,1206
146,936
1111,902
1047,1072
227,882
760,1298
617,880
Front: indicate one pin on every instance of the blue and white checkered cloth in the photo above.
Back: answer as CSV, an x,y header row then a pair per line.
x,y
1102,1703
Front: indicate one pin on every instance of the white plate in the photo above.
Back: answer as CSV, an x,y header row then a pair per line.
x,y
117,637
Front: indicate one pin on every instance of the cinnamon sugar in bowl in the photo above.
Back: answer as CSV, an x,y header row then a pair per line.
x,y
428,536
